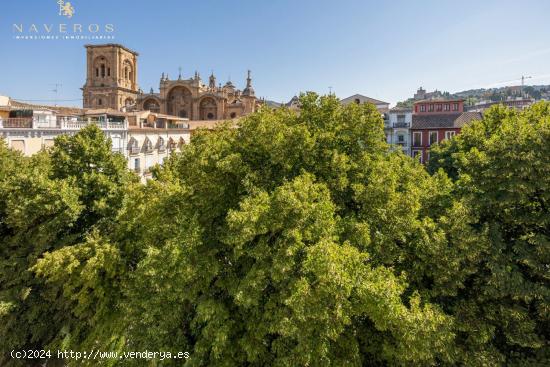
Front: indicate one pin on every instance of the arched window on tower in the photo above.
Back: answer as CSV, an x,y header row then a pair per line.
x,y
97,72
103,70
126,72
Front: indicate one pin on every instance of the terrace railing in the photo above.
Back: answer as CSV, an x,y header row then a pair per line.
x,y
17,123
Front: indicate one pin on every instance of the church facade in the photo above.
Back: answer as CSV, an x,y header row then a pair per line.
x,y
111,82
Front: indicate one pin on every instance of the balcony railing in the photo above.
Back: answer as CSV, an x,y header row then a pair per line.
x,y
400,124
162,148
17,123
104,125
134,149
35,123
149,149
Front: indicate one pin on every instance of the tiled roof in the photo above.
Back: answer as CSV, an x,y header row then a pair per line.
x,y
450,120
58,109
368,99
434,121
467,117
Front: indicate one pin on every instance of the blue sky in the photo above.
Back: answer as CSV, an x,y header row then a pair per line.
x,y
383,49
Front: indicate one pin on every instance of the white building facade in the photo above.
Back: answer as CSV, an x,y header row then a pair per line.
x,y
143,138
398,127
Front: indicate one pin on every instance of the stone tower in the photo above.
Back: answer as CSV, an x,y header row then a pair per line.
x,y
111,80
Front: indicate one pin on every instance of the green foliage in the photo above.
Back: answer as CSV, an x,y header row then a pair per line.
x,y
502,170
298,239
275,249
53,207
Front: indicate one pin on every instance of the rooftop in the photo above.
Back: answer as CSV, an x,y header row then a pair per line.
x,y
449,120
440,100
363,97
112,45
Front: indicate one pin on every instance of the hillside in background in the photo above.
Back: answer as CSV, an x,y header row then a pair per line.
x,y
473,96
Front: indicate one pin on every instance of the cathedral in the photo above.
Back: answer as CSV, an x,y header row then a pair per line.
x,y
111,82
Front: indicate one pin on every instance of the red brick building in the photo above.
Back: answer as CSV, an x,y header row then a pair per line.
x,y
436,120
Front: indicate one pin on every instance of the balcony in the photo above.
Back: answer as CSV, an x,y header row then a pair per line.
x,y
401,124
17,123
134,150
162,148
63,124
137,170
103,125
149,149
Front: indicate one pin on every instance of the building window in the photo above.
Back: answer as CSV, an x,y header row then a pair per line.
x,y
439,107
210,116
48,143
455,106
103,70
422,108
433,137
18,145
400,119
447,107
449,134
417,154
97,72
136,165
417,138
99,102
357,100
400,138
108,71
431,107
233,115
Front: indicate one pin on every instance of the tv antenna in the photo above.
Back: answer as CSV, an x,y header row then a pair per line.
x,y
56,91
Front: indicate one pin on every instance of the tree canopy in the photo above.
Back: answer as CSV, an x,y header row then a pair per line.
x,y
296,239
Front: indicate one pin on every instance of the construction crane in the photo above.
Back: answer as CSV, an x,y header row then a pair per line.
x,y
523,80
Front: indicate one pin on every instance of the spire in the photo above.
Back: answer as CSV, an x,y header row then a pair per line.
x,y
212,81
162,77
179,77
151,91
248,91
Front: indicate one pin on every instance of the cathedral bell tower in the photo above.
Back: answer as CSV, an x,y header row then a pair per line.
x,y
111,77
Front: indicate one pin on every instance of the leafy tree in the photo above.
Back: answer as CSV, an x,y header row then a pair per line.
x,y
57,203
502,170
296,239
290,242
